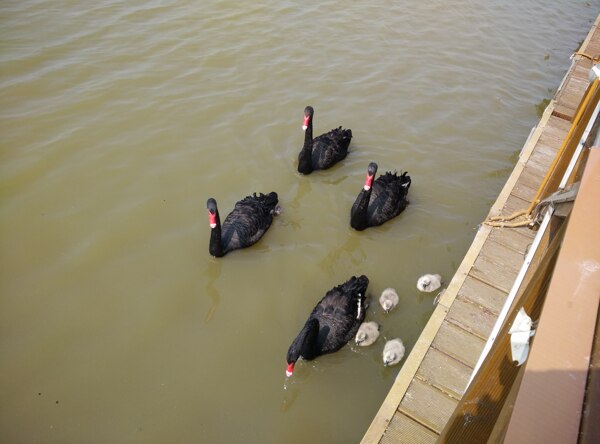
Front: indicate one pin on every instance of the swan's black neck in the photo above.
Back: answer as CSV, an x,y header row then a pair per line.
x,y
305,344
215,246
305,157
358,214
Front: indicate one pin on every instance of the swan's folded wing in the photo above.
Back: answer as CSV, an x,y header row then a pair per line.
x,y
246,224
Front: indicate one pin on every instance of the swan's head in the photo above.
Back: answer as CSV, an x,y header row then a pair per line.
x,y
361,337
308,114
387,305
424,283
429,282
289,371
388,358
371,171
211,205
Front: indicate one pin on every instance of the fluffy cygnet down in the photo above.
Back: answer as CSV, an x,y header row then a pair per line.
x,y
367,333
388,299
393,352
429,282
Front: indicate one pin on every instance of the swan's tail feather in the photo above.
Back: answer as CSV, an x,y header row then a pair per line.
x,y
341,134
267,202
405,180
346,134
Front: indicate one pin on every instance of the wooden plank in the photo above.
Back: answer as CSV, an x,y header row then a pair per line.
x,y
482,294
552,139
472,317
517,239
564,112
594,48
532,178
549,146
581,72
523,232
536,167
403,429
572,93
452,380
514,204
427,405
542,159
555,132
497,265
523,190
501,255
491,273
458,343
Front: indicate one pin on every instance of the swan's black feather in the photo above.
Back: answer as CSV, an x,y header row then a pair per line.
x,y
328,149
323,151
333,322
245,225
385,200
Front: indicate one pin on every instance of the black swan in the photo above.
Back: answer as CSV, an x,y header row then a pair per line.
x,y
323,151
333,322
245,225
381,200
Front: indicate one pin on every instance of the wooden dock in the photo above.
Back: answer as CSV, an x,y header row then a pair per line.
x,y
435,375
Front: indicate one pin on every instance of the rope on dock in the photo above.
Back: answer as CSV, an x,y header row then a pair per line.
x,y
504,222
587,56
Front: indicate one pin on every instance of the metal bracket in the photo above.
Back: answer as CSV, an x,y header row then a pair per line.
x,y
560,200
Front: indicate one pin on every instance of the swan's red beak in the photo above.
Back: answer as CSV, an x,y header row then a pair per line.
x,y
212,219
305,124
290,370
368,182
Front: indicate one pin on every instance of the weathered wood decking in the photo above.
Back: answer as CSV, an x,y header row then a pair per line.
x,y
435,374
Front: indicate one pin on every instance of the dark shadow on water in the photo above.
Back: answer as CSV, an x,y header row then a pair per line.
x,y
302,188
290,394
293,384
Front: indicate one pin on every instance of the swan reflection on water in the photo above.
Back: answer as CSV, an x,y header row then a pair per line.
x,y
293,385
350,250
213,272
